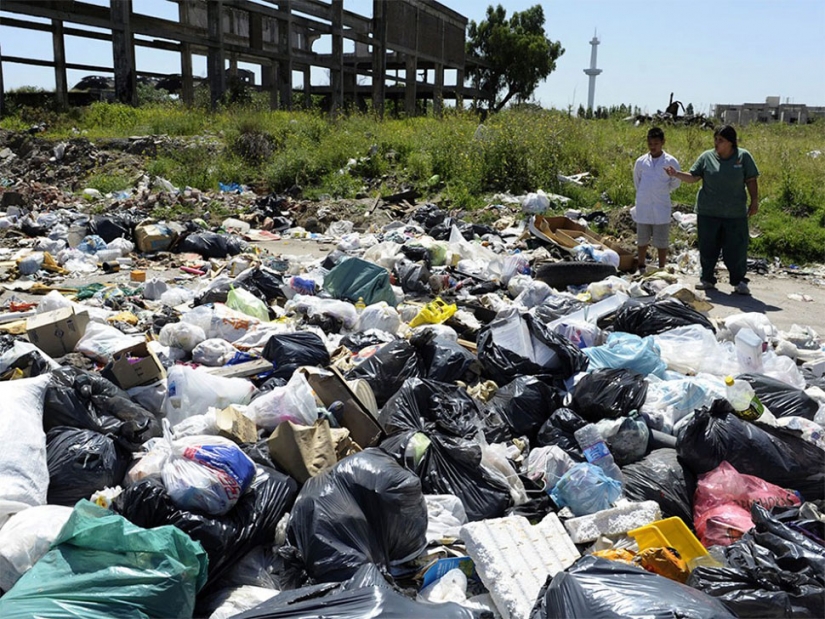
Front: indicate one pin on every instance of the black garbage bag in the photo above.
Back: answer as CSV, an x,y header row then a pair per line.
x,y
429,216
414,277
263,282
85,400
661,477
365,509
212,245
430,406
523,405
551,353
81,462
215,294
557,306
773,571
538,504
449,465
226,538
777,455
31,228
445,360
781,398
658,317
600,589
290,351
416,253
370,337
560,430
111,227
442,231
388,368
366,594
608,394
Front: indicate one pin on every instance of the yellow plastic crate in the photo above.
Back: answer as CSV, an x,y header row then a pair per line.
x,y
672,533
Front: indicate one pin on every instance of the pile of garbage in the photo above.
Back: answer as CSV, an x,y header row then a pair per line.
x,y
437,418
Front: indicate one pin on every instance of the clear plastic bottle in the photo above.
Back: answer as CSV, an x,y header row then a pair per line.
x,y
596,451
743,399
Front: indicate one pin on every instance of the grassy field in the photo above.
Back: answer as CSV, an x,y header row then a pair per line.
x,y
465,163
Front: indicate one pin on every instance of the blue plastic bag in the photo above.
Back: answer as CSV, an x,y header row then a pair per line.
x,y
630,352
91,244
585,489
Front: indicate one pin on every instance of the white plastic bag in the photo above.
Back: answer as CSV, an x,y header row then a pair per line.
x,y
26,537
220,321
206,473
101,341
445,516
124,246
214,352
494,459
243,301
232,602
756,321
537,202
693,349
150,396
181,335
379,316
177,295
452,587
53,301
293,402
24,475
192,392
317,306
547,464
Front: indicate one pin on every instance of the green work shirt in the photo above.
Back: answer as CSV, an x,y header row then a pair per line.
x,y
723,183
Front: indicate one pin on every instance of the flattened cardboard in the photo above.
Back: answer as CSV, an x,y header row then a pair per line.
x,y
56,333
236,426
127,374
564,232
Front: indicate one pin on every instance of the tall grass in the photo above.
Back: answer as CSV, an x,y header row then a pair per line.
x,y
515,151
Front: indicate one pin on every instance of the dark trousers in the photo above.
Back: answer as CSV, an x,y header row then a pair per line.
x,y
729,236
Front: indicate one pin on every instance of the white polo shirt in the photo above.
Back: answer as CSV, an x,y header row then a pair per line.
x,y
653,187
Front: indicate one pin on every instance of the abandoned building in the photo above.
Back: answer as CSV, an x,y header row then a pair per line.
x,y
773,110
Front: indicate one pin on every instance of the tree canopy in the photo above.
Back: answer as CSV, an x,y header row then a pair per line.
x,y
513,55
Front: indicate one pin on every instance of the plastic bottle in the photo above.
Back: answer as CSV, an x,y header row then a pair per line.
x,y
597,452
743,399
749,350
360,305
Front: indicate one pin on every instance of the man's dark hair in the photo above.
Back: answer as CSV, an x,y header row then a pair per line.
x,y
656,133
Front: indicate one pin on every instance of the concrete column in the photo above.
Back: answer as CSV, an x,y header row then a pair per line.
x,y
214,59
285,47
308,88
337,71
438,91
379,56
187,89
410,87
123,51
61,84
459,89
2,90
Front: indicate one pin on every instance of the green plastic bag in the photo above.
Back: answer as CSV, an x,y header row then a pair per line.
x,y
101,566
356,279
247,303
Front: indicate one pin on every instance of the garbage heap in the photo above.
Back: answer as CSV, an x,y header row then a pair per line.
x,y
436,419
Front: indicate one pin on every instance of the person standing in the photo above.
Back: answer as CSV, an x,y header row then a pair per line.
x,y
653,206
722,207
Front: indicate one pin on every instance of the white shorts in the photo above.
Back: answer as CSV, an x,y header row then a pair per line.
x,y
660,233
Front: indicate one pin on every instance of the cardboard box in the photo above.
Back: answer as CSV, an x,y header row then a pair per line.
x,y
303,451
154,237
236,426
57,333
564,232
329,386
133,367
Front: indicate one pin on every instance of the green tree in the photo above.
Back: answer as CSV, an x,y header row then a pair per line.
x,y
511,55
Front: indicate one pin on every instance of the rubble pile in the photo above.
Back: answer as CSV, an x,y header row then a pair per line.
x,y
431,417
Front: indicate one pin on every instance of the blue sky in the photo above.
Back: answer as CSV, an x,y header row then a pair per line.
x,y
720,51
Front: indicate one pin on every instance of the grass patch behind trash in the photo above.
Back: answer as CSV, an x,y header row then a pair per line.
x,y
462,161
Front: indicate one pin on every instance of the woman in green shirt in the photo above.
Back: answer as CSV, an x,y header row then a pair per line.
x,y
722,207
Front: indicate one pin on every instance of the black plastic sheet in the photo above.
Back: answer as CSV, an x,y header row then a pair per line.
x,y
388,368
608,394
661,477
289,351
658,317
522,405
560,430
212,245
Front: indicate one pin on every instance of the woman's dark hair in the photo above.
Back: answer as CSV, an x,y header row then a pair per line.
x,y
656,133
727,132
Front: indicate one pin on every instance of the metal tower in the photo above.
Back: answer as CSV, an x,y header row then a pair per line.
x,y
592,72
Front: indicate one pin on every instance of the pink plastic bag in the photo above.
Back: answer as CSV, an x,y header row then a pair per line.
x,y
723,500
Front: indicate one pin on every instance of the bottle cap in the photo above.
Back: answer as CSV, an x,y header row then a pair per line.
x,y
729,381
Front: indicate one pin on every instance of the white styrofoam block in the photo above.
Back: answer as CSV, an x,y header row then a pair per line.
x,y
514,558
613,521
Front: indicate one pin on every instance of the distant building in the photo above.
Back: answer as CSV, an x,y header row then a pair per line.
x,y
770,111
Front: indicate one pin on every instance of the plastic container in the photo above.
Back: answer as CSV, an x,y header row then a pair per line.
x,y
673,533
749,351
743,399
435,312
597,452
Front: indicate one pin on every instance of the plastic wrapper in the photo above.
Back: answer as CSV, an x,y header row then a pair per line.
x,y
661,477
366,594
103,567
293,402
520,407
627,351
585,489
557,306
212,245
607,394
777,455
560,429
181,335
194,391
388,368
600,589
365,509
664,562
546,465
782,399
26,537
774,571
81,462
213,353
378,316
658,317
85,400
289,351
517,344
626,437
220,321
252,522
100,342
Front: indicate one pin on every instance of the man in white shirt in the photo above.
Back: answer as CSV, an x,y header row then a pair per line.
x,y
653,187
